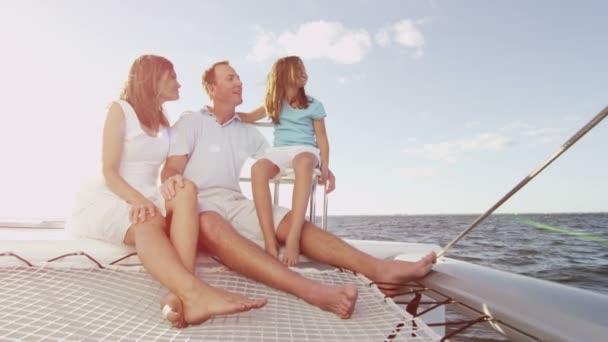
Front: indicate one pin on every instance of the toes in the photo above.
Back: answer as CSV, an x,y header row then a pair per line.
x,y
173,317
257,303
248,304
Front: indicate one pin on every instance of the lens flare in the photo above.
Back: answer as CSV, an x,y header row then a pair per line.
x,y
592,237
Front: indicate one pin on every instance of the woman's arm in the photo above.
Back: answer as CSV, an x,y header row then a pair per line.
x,y
257,114
113,141
323,144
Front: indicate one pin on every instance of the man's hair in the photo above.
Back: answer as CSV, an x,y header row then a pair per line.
x,y
208,77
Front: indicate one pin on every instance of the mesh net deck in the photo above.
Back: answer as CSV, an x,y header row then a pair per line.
x,y
119,303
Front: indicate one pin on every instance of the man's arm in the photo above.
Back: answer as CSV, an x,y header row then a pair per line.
x,y
171,175
257,114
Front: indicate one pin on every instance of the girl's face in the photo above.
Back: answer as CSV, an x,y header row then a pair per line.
x,y
168,87
300,76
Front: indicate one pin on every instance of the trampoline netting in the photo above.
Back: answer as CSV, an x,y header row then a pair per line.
x,y
121,303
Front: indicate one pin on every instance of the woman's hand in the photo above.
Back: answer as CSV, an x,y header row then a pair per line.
x,y
141,210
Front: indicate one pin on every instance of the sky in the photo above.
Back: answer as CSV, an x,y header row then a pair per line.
x,y
433,107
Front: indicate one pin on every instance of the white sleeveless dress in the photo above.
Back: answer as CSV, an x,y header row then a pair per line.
x,y
99,213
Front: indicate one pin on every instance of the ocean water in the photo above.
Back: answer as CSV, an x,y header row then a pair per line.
x,y
506,242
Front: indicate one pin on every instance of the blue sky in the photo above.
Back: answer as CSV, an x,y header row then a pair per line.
x,y
433,106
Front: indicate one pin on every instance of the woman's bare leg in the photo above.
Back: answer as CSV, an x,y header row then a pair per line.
x,y
200,301
182,215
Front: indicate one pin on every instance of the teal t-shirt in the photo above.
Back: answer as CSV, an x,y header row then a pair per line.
x,y
295,125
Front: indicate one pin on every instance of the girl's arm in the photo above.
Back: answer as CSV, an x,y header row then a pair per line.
x,y
113,141
257,114
323,143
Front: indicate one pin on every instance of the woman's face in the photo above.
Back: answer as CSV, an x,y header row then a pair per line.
x,y
168,87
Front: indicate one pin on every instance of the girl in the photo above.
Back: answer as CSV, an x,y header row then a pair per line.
x,y
127,206
300,142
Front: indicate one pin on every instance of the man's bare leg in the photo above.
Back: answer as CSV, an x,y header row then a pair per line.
x,y
325,247
200,301
219,238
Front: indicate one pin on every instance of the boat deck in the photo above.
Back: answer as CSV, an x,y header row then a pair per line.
x,y
91,292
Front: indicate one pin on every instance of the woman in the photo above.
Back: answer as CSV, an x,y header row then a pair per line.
x,y
129,208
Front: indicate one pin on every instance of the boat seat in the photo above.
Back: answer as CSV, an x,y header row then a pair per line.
x,y
288,177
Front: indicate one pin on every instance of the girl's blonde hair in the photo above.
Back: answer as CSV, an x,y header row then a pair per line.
x,y
283,74
141,89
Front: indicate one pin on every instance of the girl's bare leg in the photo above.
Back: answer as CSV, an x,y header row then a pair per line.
x,y
261,173
303,166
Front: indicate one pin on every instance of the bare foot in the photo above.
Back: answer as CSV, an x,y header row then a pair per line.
x,y
175,313
340,299
292,250
207,302
399,272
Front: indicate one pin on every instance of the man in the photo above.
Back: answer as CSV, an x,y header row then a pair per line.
x,y
209,147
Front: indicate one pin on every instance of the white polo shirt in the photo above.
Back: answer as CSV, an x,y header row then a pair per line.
x,y
216,152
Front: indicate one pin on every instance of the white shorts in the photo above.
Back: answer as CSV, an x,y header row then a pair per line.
x,y
239,210
283,156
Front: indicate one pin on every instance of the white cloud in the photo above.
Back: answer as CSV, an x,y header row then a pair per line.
x,y
336,42
532,135
513,134
265,46
544,135
319,39
515,126
383,37
405,33
452,151
417,172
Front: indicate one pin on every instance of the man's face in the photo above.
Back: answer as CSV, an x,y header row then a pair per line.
x,y
228,88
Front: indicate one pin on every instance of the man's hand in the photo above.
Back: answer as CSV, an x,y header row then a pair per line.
x,y
170,184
